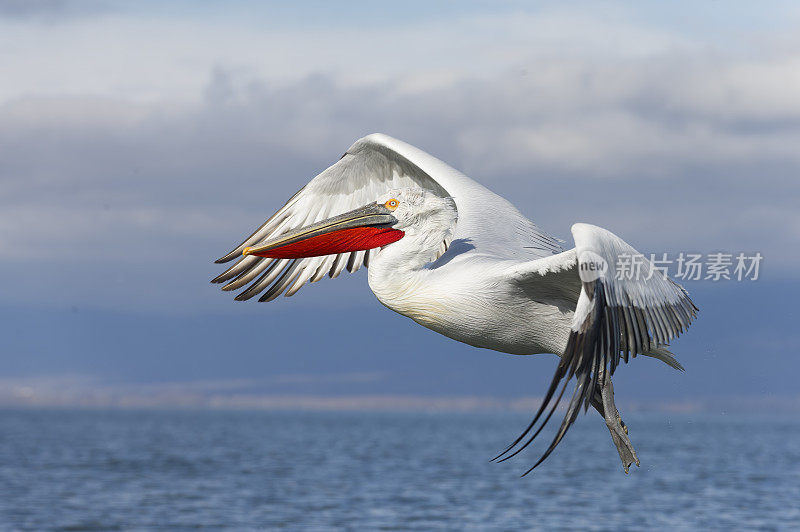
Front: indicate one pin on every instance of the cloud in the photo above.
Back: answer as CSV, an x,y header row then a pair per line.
x,y
152,55
137,164
50,10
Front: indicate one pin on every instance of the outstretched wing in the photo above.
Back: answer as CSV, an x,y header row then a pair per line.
x,y
616,317
370,167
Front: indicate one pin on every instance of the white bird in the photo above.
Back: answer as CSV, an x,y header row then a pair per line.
x,y
453,256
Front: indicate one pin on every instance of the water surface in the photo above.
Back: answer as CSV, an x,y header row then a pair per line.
x,y
109,470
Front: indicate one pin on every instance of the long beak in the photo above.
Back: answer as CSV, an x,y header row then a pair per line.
x,y
364,228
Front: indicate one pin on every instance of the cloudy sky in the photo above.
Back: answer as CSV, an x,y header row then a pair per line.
x,y
139,141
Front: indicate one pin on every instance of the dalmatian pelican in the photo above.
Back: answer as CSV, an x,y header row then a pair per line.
x,y
453,256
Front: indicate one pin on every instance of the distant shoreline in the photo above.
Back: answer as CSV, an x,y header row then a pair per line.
x,y
180,398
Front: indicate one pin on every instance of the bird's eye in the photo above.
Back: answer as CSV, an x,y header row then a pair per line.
x,y
391,204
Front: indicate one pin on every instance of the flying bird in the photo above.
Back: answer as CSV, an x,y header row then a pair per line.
x,y
453,256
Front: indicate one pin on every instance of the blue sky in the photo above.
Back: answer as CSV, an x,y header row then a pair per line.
x,y
139,143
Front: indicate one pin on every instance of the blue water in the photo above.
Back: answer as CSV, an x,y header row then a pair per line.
x,y
83,470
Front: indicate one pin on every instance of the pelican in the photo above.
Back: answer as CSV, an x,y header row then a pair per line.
x,y
454,257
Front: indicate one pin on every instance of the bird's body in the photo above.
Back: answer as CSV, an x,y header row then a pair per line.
x,y
451,299
453,256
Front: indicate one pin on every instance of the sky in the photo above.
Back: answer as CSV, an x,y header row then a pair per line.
x,y
140,141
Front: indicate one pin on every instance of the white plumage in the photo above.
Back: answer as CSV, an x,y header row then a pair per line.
x,y
470,266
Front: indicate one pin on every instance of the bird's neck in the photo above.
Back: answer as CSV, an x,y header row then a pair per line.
x,y
399,268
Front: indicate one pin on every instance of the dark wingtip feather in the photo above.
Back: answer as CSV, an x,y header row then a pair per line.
x,y
244,296
227,258
542,407
581,359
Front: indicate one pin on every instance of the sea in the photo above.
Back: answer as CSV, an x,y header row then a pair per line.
x,y
224,470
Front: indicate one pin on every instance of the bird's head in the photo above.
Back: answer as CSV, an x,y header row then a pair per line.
x,y
392,216
419,211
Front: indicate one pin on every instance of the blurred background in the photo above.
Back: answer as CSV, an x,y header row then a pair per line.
x,y
139,141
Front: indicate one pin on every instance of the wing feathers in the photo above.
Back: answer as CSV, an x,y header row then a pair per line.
x,y
371,166
283,281
262,232
324,268
264,281
615,318
240,266
250,274
368,169
355,262
308,269
338,265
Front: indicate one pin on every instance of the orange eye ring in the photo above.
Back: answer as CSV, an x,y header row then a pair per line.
x,y
391,204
